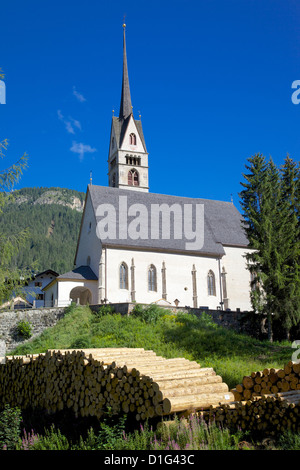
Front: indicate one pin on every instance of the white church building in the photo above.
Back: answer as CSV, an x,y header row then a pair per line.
x,y
138,246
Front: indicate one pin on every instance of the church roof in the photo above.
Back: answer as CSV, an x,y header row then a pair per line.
x,y
222,221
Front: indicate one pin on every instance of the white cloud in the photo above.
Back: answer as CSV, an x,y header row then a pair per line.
x,y
76,123
69,127
78,95
81,149
70,123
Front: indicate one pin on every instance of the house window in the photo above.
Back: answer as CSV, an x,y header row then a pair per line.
x,y
132,139
133,178
88,261
211,283
38,284
123,276
152,285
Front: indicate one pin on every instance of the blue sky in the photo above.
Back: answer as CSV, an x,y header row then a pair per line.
x,y
212,80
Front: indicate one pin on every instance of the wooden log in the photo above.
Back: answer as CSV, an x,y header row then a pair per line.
x,y
159,375
183,382
247,382
187,391
195,402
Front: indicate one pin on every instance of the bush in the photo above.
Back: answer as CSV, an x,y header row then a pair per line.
x,y
104,310
149,314
289,440
112,428
51,440
81,342
24,329
10,420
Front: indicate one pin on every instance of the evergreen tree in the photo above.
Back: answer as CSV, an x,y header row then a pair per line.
x,y
289,208
269,220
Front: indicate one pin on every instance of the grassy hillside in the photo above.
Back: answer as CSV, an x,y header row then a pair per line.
x,y
232,355
52,217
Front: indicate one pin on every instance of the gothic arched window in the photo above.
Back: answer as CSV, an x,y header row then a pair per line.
x,y
133,178
211,283
132,139
123,276
152,284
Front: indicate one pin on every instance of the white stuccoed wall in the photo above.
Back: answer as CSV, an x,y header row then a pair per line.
x,y
179,277
89,243
238,278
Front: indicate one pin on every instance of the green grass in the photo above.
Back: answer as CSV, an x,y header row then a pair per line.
x,y
232,355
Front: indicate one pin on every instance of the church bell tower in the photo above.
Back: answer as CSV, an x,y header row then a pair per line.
x,y
128,157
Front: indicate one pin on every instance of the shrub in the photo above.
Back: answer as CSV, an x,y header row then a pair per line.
x,y
24,329
149,314
104,310
28,441
10,420
112,427
289,440
194,434
51,440
81,342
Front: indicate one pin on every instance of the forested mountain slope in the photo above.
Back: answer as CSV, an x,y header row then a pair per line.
x,y
52,217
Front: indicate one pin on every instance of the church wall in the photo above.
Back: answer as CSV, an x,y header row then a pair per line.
x,y
89,243
179,284
237,278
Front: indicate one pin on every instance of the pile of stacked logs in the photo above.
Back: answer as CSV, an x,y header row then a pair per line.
x,y
266,402
124,380
267,415
269,381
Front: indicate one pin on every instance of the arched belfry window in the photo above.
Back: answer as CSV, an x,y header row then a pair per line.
x,y
133,178
132,139
123,276
211,283
152,284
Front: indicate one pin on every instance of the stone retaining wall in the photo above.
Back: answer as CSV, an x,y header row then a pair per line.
x,y
39,319
225,318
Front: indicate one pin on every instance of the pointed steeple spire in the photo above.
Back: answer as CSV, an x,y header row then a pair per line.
x,y
125,107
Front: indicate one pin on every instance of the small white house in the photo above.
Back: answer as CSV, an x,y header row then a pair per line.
x,y
34,290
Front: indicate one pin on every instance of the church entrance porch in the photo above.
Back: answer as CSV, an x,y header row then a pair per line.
x,y
81,295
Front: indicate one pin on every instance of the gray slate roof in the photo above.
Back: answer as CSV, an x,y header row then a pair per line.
x,y
81,273
222,221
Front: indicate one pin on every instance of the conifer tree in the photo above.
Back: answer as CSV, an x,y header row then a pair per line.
x,y
269,207
289,210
